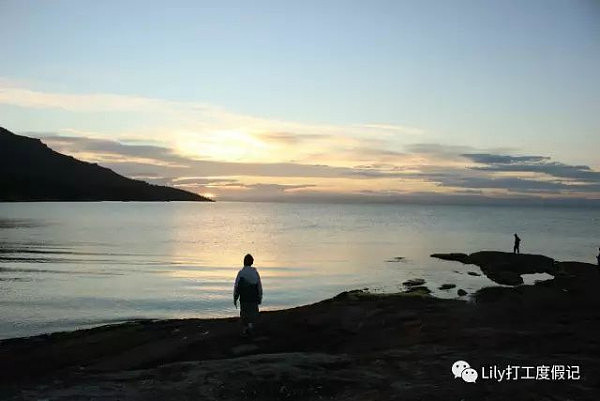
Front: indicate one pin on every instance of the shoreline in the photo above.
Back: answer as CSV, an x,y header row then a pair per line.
x,y
431,282
356,345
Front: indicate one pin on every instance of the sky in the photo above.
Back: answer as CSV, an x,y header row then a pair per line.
x,y
468,101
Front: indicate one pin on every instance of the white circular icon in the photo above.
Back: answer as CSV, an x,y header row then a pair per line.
x,y
469,375
458,367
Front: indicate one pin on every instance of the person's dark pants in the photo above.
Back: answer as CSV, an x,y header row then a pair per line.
x,y
248,314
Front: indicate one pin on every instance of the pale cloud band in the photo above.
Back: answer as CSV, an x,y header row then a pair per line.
x,y
426,175
207,149
210,132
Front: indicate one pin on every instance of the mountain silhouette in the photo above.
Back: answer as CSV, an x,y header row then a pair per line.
x,y
31,171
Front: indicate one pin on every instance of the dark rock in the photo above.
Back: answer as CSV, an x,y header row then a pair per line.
x,y
461,292
447,286
413,282
504,277
502,267
244,349
421,289
395,259
518,263
506,268
473,274
350,294
457,257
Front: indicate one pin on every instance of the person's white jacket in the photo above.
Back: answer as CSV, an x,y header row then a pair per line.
x,y
249,275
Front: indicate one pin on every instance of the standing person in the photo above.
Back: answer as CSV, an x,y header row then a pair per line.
x,y
517,244
598,257
248,288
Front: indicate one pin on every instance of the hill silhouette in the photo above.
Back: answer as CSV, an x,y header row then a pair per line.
x,y
31,171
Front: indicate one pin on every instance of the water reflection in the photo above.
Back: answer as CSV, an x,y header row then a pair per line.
x,y
8,223
99,261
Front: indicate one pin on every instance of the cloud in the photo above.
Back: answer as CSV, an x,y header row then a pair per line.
x,y
378,173
394,128
487,158
534,164
192,114
438,149
81,103
256,192
80,144
135,160
515,184
101,148
202,146
203,181
288,138
267,188
432,165
207,131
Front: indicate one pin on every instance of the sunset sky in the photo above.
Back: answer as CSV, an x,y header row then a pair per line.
x,y
315,100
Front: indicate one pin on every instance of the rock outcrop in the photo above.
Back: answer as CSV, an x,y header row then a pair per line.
x,y
502,267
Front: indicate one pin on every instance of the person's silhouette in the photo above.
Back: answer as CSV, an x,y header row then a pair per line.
x,y
598,257
248,288
516,248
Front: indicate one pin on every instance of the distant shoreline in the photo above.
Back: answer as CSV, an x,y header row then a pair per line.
x,y
32,172
103,200
595,205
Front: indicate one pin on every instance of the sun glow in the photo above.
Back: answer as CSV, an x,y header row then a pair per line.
x,y
232,146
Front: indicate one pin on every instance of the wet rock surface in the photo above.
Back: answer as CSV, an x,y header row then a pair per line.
x,y
414,282
502,267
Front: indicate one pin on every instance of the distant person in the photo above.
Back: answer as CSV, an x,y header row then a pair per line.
x,y
516,248
598,257
248,288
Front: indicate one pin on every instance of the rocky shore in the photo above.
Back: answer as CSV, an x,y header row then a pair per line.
x,y
355,346
505,268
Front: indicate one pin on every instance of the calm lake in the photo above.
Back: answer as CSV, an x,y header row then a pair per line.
x,y
71,265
